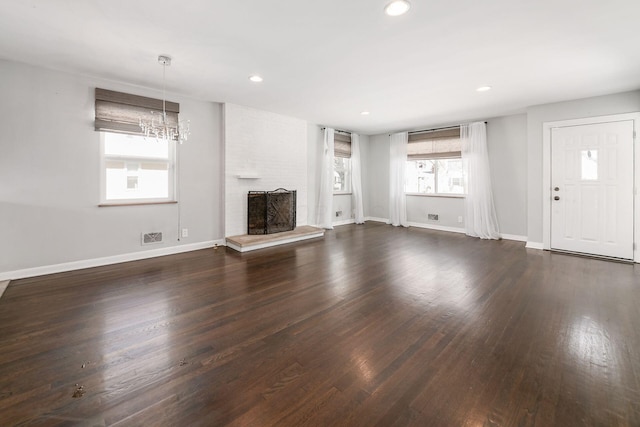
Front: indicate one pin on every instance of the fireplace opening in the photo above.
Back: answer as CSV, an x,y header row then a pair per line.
x,y
271,211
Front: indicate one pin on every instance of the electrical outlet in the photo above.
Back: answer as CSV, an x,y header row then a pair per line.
x,y
185,232
460,219
338,213
432,217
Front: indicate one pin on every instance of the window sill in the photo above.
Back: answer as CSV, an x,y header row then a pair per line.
x,y
113,204
342,194
449,196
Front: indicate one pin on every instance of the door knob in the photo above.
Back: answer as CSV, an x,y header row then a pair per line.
x,y
556,198
556,189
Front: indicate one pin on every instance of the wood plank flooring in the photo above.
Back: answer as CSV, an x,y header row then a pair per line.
x,y
370,326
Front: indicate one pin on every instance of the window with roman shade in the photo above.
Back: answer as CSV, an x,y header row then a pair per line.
x,y
434,163
435,144
135,169
342,144
121,112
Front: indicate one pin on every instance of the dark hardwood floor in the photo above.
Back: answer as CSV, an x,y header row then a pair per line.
x,y
373,325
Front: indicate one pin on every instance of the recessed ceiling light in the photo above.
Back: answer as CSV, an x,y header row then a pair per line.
x,y
255,78
483,88
397,7
365,113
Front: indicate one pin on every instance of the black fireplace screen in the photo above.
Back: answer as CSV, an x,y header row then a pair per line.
x,y
271,211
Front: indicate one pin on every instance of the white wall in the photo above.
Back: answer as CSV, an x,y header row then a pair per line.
x,y
375,181
272,146
619,103
448,209
314,155
507,146
50,175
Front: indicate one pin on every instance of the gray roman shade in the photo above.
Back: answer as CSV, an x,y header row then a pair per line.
x,y
121,112
342,145
434,144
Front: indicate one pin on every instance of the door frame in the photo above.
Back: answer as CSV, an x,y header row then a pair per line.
x,y
546,172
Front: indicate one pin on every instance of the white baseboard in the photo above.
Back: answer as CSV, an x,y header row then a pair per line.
x,y
375,219
515,237
344,222
534,245
115,259
437,227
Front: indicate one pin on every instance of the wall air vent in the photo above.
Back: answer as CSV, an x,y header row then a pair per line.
x,y
151,238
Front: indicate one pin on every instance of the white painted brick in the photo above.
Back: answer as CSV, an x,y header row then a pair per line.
x,y
271,145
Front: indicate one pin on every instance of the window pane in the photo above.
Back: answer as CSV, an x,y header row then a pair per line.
x,y
150,181
589,164
450,179
341,174
132,183
420,177
116,144
338,181
137,168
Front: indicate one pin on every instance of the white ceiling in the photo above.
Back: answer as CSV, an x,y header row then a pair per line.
x,y
325,61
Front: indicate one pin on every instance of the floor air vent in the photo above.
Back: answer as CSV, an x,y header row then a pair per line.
x,y
151,238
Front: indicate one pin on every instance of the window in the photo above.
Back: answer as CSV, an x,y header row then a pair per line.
x,y
342,163
136,169
434,163
341,175
435,176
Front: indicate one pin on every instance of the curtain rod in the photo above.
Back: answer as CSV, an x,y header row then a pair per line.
x,y
338,130
435,129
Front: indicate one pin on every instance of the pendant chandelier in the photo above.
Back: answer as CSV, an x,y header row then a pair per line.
x,y
159,127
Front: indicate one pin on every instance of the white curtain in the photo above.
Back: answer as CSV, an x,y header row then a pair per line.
x,y
356,178
397,167
481,220
325,199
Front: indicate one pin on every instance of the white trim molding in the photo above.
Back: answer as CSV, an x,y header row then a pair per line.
x,y
376,219
437,227
115,259
515,237
546,174
534,245
344,222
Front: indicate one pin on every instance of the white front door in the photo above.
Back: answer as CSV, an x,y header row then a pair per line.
x,y
592,189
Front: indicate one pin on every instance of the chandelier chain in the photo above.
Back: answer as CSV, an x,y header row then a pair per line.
x,y
162,129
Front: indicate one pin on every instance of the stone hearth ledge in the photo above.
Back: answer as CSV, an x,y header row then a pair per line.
x,y
246,242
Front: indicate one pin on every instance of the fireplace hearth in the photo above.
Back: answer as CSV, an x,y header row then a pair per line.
x,y
271,211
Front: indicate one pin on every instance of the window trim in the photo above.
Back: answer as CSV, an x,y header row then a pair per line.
x,y
445,195
172,168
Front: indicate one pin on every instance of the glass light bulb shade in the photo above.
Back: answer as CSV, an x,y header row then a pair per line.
x,y
255,78
397,7
483,88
